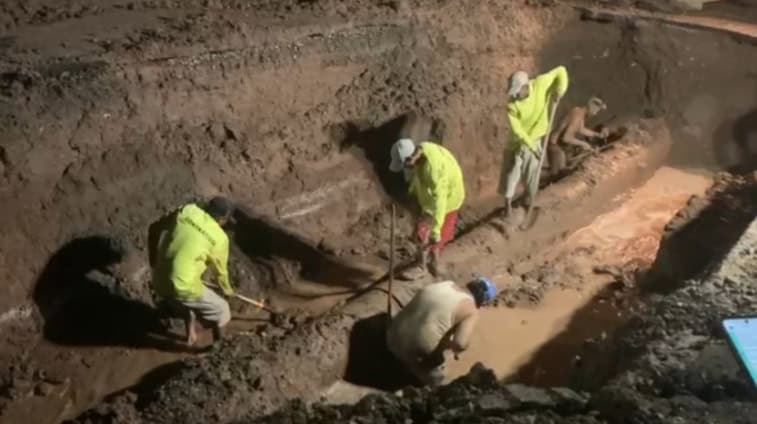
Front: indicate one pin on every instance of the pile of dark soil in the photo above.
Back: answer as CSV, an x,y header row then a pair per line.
x,y
479,398
248,374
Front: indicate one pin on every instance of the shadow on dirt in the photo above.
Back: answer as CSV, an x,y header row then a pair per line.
x,y
261,238
735,143
370,363
702,234
585,354
83,303
579,356
376,144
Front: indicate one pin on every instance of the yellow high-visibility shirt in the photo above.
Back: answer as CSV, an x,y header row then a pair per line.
x,y
529,118
437,184
197,240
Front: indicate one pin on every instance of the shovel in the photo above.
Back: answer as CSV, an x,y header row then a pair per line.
x,y
276,317
534,215
254,302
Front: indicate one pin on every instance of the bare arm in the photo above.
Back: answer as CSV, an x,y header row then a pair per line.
x,y
465,320
575,126
588,132
558,132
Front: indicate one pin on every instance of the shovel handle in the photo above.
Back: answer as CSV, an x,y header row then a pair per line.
x,y
250,301
246,299
254,302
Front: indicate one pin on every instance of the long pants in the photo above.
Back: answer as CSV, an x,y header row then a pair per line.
x,y
521,164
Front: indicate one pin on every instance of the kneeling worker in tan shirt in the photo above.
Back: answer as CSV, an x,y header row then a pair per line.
x,y
441,316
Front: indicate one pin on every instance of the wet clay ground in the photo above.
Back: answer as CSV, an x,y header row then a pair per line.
x,y
536,345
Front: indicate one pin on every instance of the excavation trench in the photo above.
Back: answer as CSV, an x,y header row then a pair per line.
x,y
535,340
565,284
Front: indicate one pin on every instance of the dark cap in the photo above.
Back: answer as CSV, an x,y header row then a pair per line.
x,y
220,207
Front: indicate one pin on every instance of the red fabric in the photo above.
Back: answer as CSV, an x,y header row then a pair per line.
x,y
423,230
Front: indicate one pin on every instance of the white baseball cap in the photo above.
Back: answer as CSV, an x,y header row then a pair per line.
x,y
401,150
517,81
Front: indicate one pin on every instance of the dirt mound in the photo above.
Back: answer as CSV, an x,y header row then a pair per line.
x,y
477,397
249,373
694,238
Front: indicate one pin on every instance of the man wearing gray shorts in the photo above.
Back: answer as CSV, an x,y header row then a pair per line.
x,y
520,163
528,112
182,245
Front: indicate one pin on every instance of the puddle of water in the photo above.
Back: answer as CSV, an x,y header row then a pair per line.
x,y
508,339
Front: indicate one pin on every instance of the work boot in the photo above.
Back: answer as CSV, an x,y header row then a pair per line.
x,y
435,266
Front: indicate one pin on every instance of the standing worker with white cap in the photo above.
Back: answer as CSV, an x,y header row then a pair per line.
x,y
437,184
528,111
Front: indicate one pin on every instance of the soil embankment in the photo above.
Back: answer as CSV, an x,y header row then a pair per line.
x,y
114,112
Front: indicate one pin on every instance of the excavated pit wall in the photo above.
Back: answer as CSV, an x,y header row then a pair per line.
x,y
293,116
87,185
105,135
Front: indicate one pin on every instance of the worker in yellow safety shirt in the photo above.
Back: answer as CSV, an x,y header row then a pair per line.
x,y
181,247
436,181
528,110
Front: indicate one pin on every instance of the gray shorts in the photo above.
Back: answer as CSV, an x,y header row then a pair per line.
x,y
516,165
209,308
